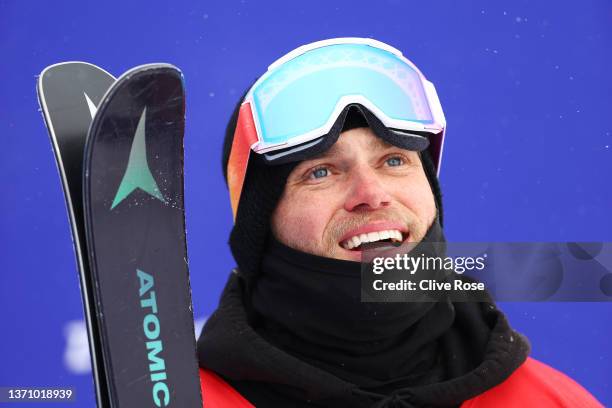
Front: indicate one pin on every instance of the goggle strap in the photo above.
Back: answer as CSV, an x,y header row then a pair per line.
x,y
244,137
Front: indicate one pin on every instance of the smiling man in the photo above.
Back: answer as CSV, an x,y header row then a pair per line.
x,y
338,145
356,192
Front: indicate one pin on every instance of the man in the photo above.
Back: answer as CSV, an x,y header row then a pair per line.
x,y
338,145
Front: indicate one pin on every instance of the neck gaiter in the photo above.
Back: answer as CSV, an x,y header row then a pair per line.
x,y
310,306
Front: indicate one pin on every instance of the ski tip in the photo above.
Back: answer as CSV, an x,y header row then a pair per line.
x,y
64,64
151,67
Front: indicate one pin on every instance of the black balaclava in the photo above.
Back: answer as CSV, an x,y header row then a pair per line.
x,y
279,327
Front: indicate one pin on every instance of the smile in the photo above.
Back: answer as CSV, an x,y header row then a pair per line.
x,y
355,242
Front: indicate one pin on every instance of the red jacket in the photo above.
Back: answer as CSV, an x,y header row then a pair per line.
x,y
533,384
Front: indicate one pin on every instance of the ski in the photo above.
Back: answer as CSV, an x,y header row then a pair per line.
x,y
134,234
69,94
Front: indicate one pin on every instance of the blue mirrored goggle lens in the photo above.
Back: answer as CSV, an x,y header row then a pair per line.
x,y
300,95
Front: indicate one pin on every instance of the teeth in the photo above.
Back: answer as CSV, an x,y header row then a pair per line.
x,y
357,240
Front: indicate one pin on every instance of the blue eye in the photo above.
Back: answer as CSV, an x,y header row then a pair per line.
x,y
320,172
395,161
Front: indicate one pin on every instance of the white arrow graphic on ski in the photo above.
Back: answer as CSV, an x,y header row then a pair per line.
x,y
92,107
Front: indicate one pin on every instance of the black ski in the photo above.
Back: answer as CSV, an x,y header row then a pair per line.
x,y
69,93
135,239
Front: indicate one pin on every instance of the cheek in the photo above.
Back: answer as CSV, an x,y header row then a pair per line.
x,y
301,219
419,199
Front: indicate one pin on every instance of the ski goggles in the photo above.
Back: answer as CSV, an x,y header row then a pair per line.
x,y
292,110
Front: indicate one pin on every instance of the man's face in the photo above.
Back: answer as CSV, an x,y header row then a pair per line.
x,y
360,190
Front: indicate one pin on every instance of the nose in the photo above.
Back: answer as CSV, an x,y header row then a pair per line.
x,y
366,191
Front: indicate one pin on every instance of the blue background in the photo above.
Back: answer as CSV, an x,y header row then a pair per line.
x,y
526,91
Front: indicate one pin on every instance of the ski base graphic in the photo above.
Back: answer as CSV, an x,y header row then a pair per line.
x,y
133,251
